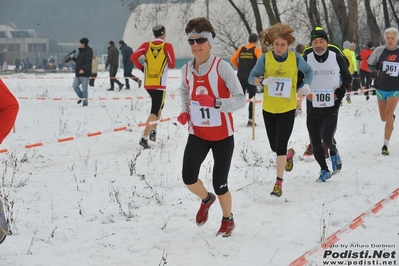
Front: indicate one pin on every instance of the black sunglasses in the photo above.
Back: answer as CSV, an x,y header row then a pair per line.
x,y
198,41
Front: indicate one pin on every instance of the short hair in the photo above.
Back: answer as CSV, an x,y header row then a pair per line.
x,y
393,30
253,38
111,42
121,42
200,24
300,48
158,30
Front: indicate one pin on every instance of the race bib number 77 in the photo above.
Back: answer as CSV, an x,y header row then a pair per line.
x,y
281,88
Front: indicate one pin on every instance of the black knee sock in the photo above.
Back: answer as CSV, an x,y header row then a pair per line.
x,y
207,199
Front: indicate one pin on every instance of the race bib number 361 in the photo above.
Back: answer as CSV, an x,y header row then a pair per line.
x,y
391,67
204,116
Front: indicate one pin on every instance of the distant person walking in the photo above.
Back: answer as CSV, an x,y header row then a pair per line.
x,y
365,73
244,59
160,57
127,51
351,56
94,70
113,63
83,70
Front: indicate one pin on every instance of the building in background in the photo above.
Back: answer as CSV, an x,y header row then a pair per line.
x,y
22,44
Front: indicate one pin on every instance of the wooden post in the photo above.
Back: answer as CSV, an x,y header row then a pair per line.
x,y
253,117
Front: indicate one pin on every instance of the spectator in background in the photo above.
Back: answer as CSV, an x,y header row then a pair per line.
x,y
8,113
113,63
128,64
159,56
356,80
82,70
351,56
299,49
5,66
94,70
365,73
244,59
17,64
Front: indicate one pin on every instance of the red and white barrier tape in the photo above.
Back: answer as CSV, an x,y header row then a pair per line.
x,y
355,223
63,77
99,98
93,134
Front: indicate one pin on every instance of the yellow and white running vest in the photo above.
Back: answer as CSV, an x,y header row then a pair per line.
x,y
280,97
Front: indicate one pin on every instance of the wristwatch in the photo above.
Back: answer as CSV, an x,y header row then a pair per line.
x,y
218,103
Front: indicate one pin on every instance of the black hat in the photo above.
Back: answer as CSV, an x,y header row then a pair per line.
x,y
158,30
318,32
84,41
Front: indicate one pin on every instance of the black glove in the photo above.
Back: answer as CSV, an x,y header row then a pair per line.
x,y
382,74
340,93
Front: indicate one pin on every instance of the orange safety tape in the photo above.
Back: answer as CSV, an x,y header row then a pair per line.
x,y
62,77
355,223
92,134
99,98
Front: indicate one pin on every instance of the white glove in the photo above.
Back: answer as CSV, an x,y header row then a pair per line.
x,y
305,90
269,81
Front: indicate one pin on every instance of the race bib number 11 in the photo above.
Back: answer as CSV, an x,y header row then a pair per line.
x,y
204,116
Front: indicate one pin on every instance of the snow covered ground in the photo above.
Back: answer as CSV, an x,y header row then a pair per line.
x,y
103,200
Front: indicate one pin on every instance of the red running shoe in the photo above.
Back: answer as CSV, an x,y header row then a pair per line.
x,y
309,150
202,214
226,228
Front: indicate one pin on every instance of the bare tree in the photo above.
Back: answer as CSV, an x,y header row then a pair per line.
x,y
313,13
372,23
242,17
386,14
270,12
353,17
394,12
326,18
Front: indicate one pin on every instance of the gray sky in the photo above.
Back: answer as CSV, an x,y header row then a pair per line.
x,y
68,21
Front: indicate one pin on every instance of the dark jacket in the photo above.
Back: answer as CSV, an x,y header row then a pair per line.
x,y
83,61
126,51
113,56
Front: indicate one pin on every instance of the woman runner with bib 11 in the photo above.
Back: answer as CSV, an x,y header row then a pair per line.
x,y
210,92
